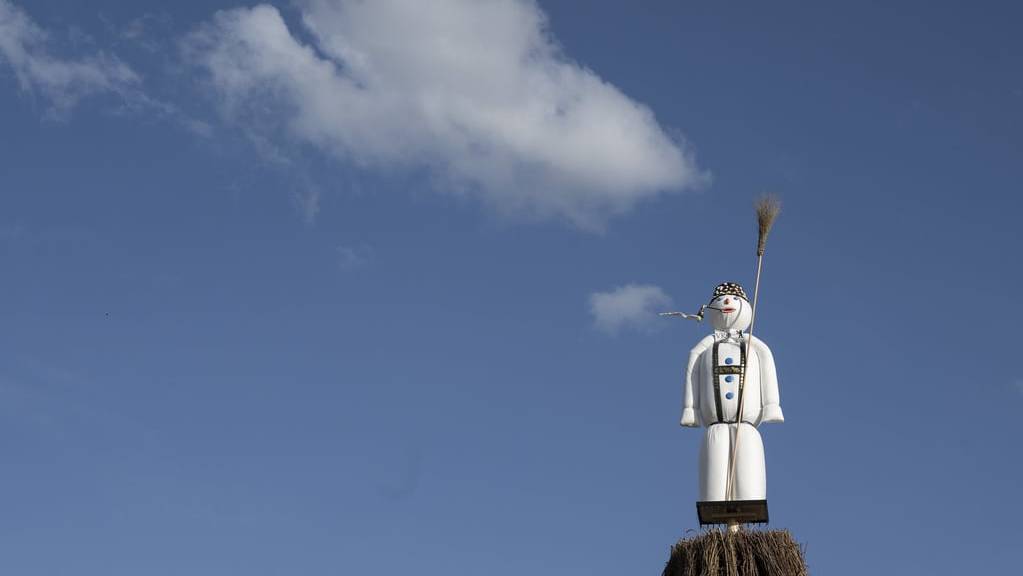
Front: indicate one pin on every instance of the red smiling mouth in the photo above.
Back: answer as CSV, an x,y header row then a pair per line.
x,y
728,310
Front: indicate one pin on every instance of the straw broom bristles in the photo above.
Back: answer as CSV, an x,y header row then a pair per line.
x,y
744,553
768,208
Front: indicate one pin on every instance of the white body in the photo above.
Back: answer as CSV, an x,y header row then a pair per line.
x,y
761,404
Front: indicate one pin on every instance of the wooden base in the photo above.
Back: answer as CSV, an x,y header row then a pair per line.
x,y
732,512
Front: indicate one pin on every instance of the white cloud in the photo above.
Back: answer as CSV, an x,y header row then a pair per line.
x,y
349,257
478,92
307,200
633,306
25,47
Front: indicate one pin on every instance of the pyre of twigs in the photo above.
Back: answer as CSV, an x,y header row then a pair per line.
x,y
768,208
744,553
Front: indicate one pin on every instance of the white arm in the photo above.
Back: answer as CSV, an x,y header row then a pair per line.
x,y
690,416
770,400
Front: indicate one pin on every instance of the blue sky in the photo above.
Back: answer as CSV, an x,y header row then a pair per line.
x,y
307,288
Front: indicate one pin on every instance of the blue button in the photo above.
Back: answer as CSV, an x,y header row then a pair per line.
x,y
729,395
728,360
729,378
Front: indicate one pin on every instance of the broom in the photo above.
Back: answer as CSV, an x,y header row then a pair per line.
x,y
767,209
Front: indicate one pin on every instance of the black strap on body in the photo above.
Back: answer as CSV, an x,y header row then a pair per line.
x,y
723,370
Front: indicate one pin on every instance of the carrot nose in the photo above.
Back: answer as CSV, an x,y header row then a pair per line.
x,y
727,300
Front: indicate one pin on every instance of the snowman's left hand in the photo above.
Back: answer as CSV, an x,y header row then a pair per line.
x,y
772,413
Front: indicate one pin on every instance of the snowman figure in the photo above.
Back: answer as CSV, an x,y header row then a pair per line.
x,y
719,365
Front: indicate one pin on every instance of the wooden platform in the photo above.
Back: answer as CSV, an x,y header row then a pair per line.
x,y
732,512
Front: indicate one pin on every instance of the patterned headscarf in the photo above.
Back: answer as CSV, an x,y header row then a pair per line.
x,y
729,289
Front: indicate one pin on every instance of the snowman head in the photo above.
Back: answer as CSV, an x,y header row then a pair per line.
x,y
729,309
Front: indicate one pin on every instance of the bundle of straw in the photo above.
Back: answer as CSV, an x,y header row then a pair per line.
x,y
743,553
768,208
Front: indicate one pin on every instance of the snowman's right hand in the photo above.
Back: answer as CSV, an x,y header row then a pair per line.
x,y
688,418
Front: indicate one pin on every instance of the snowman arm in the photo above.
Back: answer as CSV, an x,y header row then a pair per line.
x,y
690,417
768,384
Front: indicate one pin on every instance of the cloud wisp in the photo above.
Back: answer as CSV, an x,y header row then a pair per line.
x,y
632,306
26,49
477,93
351,257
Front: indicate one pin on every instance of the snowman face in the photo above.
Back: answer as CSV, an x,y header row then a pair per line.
x,y
729,313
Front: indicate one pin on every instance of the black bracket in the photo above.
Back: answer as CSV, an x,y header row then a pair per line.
x,y
732,512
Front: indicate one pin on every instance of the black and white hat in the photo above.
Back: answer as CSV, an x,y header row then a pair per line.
x,y
729,289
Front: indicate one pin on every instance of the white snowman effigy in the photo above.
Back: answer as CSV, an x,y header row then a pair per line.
x,y
731,387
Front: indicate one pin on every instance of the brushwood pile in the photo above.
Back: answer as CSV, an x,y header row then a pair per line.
x,y
744,553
